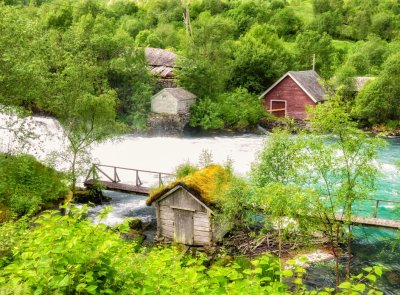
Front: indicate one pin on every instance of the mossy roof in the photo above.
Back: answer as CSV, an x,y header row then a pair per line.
x,y
205,184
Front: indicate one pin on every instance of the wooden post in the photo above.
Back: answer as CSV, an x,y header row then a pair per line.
x,y
94,171
160,182
137,177
115,174
376,209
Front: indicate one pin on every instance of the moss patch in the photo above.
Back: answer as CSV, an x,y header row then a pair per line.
x,y
204,184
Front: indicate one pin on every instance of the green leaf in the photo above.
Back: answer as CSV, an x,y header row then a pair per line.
x,y
378,271
359,287
91,289
345,285
287,273
64,282
371,277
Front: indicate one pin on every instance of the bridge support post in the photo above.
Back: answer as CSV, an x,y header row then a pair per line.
x,y
376,208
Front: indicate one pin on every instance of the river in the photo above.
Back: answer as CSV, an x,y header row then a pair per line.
x,y
165,153
372,246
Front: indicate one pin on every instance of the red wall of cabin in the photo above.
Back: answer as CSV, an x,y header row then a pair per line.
x,y
296,98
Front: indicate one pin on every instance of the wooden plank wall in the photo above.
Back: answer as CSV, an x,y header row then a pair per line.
x,y
202,228
166,222
182,200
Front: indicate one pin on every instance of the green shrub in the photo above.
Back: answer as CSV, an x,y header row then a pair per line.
x,y
26,184
237,110
70,255
185,169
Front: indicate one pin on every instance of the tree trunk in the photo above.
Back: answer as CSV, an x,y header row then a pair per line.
x,y
73,173
335,246
349,240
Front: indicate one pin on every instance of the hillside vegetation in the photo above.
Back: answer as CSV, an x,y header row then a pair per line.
x,y
57,52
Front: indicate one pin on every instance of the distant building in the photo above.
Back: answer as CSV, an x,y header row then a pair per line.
x,y
185,208
360,82
172,101
161,64
293,92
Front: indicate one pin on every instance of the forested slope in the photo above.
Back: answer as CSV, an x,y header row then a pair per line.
x,y
58,51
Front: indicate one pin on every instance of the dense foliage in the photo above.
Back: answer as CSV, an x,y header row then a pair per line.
x,y
70,255
312,182
57,51
26,184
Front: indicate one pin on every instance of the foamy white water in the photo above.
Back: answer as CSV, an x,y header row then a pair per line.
x,y
164,154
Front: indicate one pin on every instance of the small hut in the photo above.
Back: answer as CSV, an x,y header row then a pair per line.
x,y
185,208
172,101
293,93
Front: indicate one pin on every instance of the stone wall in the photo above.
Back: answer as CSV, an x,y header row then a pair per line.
x,y
167,124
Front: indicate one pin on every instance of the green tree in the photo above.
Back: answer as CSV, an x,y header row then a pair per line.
x,y
378,101
383,25
279,161
235,110
204,67
22,71
247,13
26,184
287,208
345,170
259,59
85,107
286,22
310,43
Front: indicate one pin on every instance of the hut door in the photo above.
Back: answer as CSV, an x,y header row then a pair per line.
x,y
183,227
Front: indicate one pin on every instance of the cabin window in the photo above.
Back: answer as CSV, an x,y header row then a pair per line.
x,y
278,108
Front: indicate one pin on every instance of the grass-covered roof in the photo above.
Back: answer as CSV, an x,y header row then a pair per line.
x,y
205,184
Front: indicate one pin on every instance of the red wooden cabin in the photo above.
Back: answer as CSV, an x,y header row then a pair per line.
x,y
293,92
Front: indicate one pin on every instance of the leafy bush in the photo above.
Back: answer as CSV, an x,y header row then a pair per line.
x,y
238,110
70,255
185,169
26,184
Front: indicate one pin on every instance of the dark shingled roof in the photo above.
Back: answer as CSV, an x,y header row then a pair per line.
x,y
161,62
160,57
312,84
179,93
360,82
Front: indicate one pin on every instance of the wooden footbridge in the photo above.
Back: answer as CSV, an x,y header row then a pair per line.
x,y
374,221
109,178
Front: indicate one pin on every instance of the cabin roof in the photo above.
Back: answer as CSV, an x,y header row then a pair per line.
x,y
179,93
360,82
160,57
203,184
161,61
309,81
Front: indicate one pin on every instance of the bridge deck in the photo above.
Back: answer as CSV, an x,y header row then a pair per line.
x,y
374,222
116,186
114,183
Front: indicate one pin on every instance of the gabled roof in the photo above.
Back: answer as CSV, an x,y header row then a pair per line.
x,y
161,62
309,81
203,184
160,57
179,93
360,82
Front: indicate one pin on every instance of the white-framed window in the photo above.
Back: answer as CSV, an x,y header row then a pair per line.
x,y
278,107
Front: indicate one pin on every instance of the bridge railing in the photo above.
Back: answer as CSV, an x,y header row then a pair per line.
x,y
380,201
112,174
